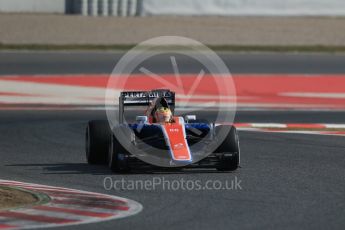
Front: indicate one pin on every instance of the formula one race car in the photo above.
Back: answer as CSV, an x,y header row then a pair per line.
x,y
161,134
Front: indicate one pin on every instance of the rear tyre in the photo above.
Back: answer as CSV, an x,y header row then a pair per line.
x,y
230,149
118,155
97,140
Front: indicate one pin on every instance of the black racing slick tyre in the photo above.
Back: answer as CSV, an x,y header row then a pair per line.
x,y
230,150
118,155
97,140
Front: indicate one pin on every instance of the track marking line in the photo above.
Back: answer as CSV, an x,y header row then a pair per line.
x,y
6,226
306,128
37,218
72,211
87,204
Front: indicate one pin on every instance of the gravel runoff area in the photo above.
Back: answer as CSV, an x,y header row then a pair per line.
x,y
211,30
11,198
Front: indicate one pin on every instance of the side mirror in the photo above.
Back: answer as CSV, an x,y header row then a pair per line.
x,y
141,119
189,118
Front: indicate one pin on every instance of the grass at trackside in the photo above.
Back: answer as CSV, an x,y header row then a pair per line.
x,y
17,197
251,48
235,48
11,198
62,47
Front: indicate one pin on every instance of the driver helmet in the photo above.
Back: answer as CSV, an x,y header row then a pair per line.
x,y
163,114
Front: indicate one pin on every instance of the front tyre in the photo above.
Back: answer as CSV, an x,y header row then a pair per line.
x,y
229,149
118,156
97,140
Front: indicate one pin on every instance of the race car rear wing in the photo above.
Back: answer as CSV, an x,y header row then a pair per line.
x,y
144,98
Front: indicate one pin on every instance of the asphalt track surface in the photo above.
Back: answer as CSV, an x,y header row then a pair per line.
x,y
104,62
288,181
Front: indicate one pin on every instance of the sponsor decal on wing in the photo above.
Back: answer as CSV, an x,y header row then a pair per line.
x,y
176,139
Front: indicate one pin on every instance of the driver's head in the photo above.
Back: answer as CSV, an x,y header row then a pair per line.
x,y
163,114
